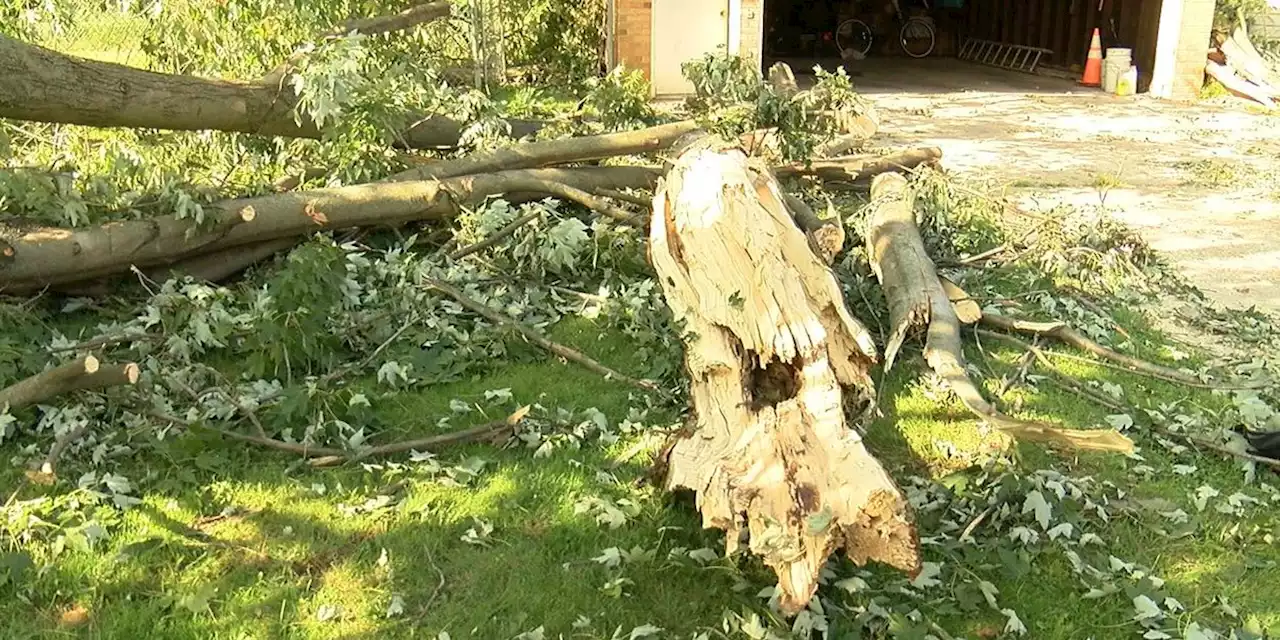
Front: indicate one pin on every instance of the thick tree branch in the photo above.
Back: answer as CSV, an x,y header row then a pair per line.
x,y
85,372
52,256
860,168
411,17
42,85
917,300
552,152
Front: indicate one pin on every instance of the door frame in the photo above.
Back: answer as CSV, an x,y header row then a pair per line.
x,y
733,38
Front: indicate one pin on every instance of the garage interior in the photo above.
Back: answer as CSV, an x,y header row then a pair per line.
x,y
802,32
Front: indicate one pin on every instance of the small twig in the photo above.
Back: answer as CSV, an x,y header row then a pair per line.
x,y
574,194
1024,363
340,371
1208,444
984,255
104,341
61,444
490,431
435,593
306,451
1069,336
974,523
539,339
614,194
497,236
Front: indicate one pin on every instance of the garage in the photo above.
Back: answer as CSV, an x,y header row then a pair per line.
x,y
1167,38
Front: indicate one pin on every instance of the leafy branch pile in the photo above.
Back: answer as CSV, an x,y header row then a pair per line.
x,y
294,251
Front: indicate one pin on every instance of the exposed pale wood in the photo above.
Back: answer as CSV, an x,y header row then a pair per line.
x,y
918,301
768,449
968,311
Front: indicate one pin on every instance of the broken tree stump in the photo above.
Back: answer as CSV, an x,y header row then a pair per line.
x,y
774,357
918,301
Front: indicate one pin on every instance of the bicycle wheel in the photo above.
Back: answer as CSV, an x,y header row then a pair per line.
x,y
855,35
917,37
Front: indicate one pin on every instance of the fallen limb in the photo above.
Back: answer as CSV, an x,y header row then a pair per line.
x,y
1066,335
52,256
106,341
774,359
411,17
917,300
537,338
551,152
498,236
1093,395
490,432
622,196
42,85
85,372
860,168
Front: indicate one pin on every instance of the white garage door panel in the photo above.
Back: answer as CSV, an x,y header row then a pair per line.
x,y
684,30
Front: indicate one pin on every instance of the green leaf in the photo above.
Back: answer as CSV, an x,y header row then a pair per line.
x,y
1036,503
14,566
1013,624
1146,609
197,602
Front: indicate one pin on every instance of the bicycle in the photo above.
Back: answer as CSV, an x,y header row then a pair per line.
x,y
917,35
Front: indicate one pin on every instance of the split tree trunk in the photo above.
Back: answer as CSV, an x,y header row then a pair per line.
x,y
769,450
41,85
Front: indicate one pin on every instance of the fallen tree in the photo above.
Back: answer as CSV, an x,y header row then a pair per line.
x,y
42,85
45,256
768,448
779,367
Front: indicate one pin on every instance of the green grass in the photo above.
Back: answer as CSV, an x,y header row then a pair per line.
x,y
288,550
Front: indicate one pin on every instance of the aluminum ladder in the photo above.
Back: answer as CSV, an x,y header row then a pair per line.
x,y
1015,57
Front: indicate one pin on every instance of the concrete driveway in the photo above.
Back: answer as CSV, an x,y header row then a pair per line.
x,y
1145,161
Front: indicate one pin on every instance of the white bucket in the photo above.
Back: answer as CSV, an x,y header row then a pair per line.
x,y
1114,65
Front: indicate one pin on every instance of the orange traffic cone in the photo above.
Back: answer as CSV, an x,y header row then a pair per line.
x,y
1093,66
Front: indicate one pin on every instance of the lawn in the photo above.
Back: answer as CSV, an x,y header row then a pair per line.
x,y
237,542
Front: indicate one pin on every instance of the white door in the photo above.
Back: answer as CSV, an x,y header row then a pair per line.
x,y
684,30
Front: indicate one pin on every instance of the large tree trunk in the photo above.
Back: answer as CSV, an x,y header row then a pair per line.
x,y
46,86
36,258
772,345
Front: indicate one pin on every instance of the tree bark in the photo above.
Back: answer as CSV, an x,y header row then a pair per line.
x,y
860,168
85,372
41,85
769,450
411,17
51,256
917,301
552,152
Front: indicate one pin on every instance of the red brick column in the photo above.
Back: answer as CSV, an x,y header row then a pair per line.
x,y
633,37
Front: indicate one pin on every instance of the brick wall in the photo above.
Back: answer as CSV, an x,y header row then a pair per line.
x,y
751,32
1193,45
633,43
